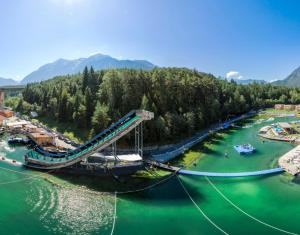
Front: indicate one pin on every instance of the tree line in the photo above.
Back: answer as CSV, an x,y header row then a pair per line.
x,y
184,101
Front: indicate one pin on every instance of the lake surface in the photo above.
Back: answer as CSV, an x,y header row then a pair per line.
x,y
253,205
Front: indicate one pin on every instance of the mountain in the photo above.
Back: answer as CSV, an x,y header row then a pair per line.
x,y
249,81
98,61
7,82
292,80
244,81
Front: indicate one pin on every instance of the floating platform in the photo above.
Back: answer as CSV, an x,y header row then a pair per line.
x,y
244,149
18,140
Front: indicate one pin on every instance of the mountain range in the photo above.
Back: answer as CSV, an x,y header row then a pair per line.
x,y
7,81
98,62
249,81
292,80
244,81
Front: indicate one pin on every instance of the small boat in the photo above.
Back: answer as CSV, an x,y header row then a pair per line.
x,y
244,149
18,140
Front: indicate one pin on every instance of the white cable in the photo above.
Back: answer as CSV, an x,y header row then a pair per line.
x,y
6,169
150,186
201,211
242,211
15,181
115,215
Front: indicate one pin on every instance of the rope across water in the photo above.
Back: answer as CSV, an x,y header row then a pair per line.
x,y
245,213
199,209
135,191
115,215
30,176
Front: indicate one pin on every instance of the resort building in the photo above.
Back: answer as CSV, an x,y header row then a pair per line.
x,y
264,130
42,138
30,128
33,114
289,107
15,124
6,113
2,118
2,95
278,106
286,127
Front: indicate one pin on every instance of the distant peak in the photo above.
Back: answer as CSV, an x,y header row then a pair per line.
x,y
98,61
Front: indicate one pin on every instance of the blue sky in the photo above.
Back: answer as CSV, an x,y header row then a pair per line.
x,y
256,39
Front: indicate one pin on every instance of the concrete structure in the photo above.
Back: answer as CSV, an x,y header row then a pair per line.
x,y
297,107
133,121
122,157
290,161
289,107
278,106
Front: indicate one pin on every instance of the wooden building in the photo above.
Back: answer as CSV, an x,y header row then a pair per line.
x,y
6,113
278,106
42,138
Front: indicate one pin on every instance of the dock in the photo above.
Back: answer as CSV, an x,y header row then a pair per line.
x,y
290,161
162,166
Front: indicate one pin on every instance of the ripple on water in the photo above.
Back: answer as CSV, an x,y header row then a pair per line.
x,y
4,145
70,210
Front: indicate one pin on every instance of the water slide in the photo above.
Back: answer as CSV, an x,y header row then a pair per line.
x,y
41,159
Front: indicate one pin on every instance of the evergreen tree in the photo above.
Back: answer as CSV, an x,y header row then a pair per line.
x,y
85,79
100,119
89,104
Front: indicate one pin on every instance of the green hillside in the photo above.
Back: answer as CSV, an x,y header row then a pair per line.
x,y
184,101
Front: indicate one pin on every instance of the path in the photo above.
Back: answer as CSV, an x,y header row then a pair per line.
x,y
170,153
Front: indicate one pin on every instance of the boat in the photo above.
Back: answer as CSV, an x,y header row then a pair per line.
x,y
244,149
18,140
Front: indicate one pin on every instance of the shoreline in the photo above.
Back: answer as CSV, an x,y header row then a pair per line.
x,y
180,148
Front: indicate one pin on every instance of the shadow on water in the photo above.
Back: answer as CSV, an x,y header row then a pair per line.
x,y
296,180
168,189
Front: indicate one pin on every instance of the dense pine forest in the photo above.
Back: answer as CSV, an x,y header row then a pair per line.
x,y
184,101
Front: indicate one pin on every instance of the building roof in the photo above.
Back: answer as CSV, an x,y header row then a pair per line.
x,y
33,114
40,135
30,126
289,105
265,128
2,118
284,125
19,123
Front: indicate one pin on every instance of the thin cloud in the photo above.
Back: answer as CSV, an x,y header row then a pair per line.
x,y
234,75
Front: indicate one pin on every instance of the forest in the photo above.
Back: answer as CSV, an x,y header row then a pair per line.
x,y
184,101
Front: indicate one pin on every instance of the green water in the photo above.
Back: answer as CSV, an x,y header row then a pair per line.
x,y
36,206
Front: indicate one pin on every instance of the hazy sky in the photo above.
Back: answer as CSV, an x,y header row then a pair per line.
x,y
244,38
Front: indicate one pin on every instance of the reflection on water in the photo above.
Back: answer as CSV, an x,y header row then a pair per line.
x,y
70,211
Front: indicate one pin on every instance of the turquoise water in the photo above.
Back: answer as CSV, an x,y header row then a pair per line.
x,y
37,206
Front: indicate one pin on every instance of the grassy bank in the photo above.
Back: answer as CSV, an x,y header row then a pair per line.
x,y
193,155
